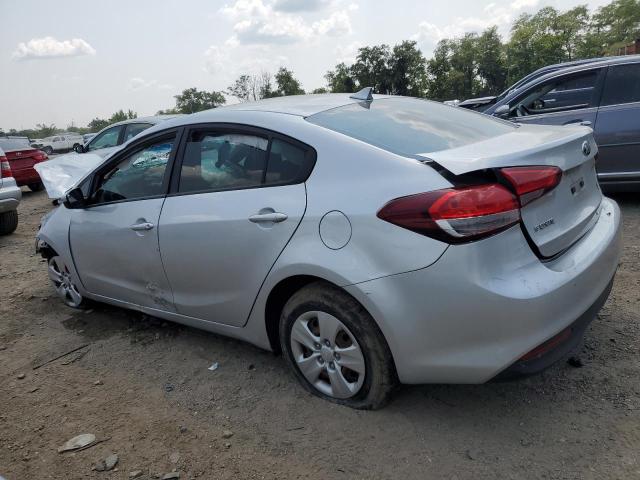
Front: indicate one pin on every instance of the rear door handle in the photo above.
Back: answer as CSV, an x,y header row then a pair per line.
x,y
275,217
142,226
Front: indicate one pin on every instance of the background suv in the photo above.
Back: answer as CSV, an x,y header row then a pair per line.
x,y
604,95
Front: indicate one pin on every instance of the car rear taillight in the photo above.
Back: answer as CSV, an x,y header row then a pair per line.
x,y
532,182
40,156
5,168
455,215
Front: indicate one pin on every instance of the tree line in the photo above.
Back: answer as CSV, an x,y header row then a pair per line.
x,y
476,64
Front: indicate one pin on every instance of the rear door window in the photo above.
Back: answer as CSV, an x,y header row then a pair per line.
x,y
622,85
222,161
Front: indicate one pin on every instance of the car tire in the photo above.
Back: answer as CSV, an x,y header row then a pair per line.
x,y
36,187
354,332
47,150
75,146
8,222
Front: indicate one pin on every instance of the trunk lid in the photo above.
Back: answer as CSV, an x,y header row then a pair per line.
x,y
563,215
60,174
23,159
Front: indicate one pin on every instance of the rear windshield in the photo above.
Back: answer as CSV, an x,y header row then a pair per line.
x,y
409,126
8,144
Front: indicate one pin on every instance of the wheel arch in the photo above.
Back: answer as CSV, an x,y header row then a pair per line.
x,y
278,297
284,290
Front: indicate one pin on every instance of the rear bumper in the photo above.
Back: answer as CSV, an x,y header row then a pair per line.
x,y
10,195
567,341
26,176
484,305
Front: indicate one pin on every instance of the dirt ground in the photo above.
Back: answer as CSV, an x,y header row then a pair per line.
x,y
143,387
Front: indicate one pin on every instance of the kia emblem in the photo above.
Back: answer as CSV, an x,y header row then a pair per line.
x,y
586,148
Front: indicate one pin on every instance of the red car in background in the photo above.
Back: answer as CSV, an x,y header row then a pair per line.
x,y
22,158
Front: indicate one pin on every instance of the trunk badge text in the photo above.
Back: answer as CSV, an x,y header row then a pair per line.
x,y
544,225
586,148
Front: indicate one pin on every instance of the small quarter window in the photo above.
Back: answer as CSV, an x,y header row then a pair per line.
x,y
288,163
622,85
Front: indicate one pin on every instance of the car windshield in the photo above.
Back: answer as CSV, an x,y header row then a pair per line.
x,y
409,126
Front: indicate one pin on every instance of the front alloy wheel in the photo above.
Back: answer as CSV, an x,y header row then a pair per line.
x,y
63,283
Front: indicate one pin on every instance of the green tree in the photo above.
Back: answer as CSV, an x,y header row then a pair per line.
x,y
245,89
490,63
286,83
97,124
192,100
44,130
121,116
613,25
340,80
371,68
407,70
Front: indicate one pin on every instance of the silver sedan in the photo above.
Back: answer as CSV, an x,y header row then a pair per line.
x,y
373,240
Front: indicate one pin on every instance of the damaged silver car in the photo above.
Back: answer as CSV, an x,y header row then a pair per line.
x,y
371,239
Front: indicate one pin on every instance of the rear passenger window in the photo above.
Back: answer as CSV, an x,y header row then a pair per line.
x,y
288,163
217,161
622,85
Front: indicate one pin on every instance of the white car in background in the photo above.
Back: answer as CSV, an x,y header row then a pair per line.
x,y
58,143
109,138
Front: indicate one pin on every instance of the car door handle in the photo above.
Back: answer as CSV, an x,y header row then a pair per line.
x,y
275,217
142,226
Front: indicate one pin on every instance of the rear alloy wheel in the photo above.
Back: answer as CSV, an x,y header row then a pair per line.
x,y
36,187
335,348
63,283
8,222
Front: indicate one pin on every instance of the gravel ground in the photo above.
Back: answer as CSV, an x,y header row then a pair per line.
x,y
142,387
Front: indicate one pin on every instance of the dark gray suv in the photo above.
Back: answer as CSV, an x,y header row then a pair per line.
x,y
604,95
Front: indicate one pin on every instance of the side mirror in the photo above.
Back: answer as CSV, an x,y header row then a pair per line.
x,y
74,199
502,111
79,148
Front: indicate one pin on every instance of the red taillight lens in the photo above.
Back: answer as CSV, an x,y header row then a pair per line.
x,y
40,156
455,215
5,168
532,182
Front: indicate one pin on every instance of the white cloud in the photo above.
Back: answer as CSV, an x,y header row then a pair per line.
x,y
429,34
347,53
228,63
259,23
49,47
337,24
299,5
138,83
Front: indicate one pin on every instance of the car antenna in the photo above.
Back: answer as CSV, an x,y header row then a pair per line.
x,y
366,94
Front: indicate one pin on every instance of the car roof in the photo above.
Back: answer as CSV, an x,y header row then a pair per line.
x,y
153,119
299,105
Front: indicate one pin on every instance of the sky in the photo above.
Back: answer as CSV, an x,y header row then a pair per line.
x,y
68,61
